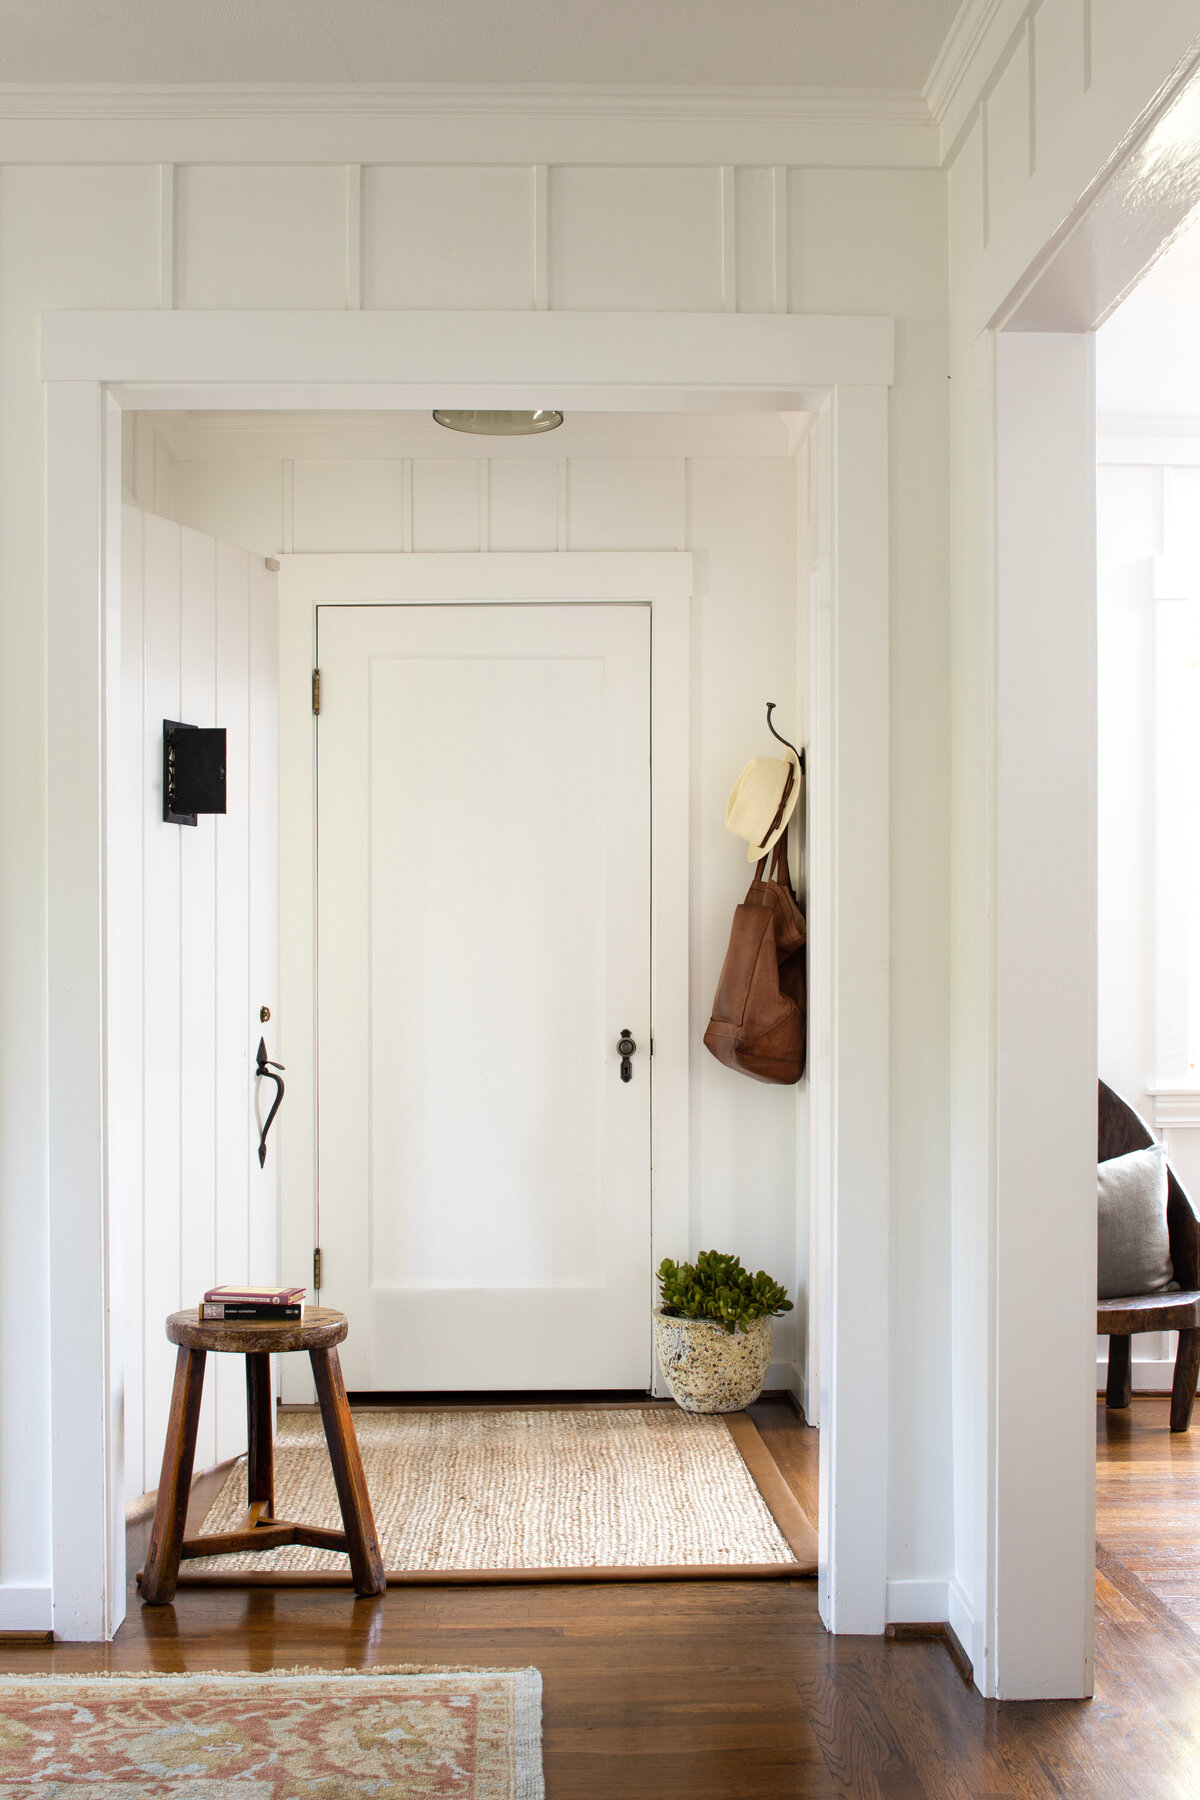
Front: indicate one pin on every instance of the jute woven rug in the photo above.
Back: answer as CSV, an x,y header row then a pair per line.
x,y
307,1734
506,1494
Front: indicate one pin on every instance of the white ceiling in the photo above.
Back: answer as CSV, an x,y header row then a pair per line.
x,y
719,43
1148,352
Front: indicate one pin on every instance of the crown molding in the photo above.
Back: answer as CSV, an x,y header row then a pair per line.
x,y
876,106
967,31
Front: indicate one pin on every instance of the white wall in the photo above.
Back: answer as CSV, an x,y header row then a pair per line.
x,y
1033,111
725,488
719,212
196,959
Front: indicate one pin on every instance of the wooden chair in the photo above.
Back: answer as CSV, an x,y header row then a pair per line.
x,y
1122,1130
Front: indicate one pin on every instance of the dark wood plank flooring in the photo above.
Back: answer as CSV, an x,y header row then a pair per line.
x,y
732,1690
1148,1502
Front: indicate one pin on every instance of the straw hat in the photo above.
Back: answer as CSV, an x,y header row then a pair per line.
x,y
755,799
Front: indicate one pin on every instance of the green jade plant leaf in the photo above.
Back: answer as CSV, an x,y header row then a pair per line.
x,y
718,1287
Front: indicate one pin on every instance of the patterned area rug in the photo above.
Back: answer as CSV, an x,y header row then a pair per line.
x,y
617,1491
470,1734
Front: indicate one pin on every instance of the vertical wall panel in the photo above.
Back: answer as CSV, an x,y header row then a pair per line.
x,y
263,839
261,236
448,237
235,1087
1111,23
622,503
1008,133
161,978
755,240
445,503
125,1078
197,906
644,240
967,211
240,502
1058,68
197,959
347,506
523,503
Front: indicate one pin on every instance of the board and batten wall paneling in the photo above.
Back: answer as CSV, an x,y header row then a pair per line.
x,y
261,236
363,500
1059,69
197,925
449,237
445,504
668,215
523,503
631,240
159,944
195,958
245,507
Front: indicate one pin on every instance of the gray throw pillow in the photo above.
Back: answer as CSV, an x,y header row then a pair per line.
x,y
1135,1250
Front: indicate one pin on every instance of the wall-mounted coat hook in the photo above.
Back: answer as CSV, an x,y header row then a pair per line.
x,y
798,754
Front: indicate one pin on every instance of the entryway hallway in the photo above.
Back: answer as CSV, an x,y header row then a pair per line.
x,y
722,1689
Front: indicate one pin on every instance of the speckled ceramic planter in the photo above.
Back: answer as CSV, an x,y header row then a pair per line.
x,y
707,1369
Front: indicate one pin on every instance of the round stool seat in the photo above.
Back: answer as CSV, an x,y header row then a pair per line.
x,y
320,1329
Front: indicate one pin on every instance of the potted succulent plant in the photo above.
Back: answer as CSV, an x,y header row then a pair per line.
x,y
713,1331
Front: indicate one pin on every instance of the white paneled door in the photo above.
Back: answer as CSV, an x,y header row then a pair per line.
x,y
483,819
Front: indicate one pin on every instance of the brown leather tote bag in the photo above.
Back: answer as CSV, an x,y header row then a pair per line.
x,y
760,1014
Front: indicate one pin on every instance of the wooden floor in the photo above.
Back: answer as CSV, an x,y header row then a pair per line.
x,y
1148,1509
733,1691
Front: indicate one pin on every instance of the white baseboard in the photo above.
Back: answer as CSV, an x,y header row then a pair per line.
x,y
918,1602
961,1619
25,1608
1148,1377
783,1377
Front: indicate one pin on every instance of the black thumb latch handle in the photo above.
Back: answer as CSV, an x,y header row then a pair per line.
x,y
268,1069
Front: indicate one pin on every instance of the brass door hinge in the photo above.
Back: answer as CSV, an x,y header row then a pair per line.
x,y
316,1271
316,690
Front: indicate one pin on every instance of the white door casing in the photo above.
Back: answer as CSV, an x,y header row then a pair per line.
x,y
95,362
483,925
657,583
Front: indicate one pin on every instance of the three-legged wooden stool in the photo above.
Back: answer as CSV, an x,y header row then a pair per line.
x,y
319,1332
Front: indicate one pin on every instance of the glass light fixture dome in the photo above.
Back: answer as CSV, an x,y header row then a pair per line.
x,y
499,424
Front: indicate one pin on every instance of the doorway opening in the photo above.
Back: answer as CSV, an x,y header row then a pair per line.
x,y
468,579
1148,656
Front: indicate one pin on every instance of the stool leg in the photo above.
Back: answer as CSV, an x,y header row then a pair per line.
x,y
175,1482
366,1563
260,1459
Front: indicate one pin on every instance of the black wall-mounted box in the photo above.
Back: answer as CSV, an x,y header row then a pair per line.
x,y
193,771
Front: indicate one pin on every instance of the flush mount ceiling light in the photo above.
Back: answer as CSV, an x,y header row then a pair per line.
x,y
499,424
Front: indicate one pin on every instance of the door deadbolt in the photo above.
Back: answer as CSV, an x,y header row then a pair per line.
x,y
625,1050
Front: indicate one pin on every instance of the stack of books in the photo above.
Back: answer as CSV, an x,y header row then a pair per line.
x,y
252,1303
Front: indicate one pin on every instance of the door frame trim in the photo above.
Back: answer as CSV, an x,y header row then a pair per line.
x,y
663,580
92,365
